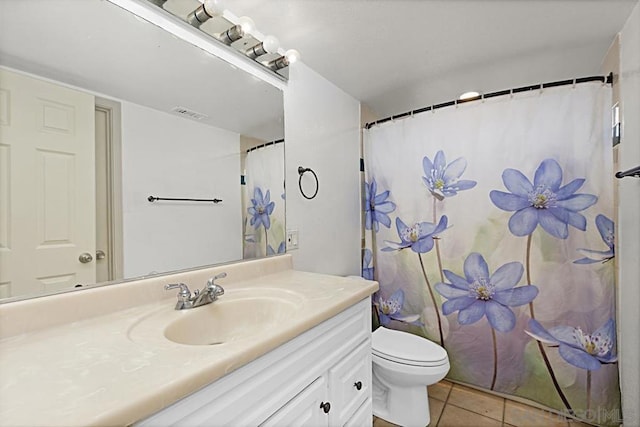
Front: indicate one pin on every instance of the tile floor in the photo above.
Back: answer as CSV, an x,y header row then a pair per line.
x,y
454,405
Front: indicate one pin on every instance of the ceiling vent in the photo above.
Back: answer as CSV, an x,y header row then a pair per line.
x,y
185,112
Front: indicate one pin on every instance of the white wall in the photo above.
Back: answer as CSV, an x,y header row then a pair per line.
x,y
167,156
628,235
322,133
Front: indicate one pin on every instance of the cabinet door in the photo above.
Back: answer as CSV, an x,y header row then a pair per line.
x,y
362,417
350,383
303,410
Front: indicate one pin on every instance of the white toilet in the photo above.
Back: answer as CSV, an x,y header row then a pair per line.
x,y
403,366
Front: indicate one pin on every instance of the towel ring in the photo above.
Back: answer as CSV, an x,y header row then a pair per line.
x,y
302,171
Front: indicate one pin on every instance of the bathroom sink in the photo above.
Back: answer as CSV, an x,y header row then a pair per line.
x,y
229,320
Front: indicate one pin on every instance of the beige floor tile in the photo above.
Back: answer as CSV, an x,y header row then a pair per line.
x,y
453,416
575,423
435,410
521,415
379,422
476,401
440,390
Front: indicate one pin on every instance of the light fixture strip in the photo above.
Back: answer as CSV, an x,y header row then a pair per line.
x,y
231,35
149,12
278,63
198,16
256,51
284,59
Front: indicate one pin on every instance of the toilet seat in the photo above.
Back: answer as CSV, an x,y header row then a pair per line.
x,y
408,349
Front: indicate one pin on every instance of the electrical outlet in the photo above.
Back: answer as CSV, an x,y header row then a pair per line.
x,y
292,239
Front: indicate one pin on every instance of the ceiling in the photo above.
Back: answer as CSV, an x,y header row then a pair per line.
x,y
397,55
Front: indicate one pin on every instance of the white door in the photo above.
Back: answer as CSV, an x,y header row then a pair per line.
x,y
47,186
103,253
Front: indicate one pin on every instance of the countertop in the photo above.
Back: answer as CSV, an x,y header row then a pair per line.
x,y
107,370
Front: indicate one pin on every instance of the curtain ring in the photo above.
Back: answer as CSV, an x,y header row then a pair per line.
x,y
302,171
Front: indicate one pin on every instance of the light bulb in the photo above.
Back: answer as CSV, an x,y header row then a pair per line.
x,y
246,24
292,56
270,44
214,7
468,95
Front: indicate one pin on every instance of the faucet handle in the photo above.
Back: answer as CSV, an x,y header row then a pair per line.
x,y
184,294
215,289
211,282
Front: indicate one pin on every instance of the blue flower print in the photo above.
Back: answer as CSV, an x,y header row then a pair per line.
x,y
606,227
586,351
261,209
443,180
544,202
479,293
367,268
282,248
377,207
419,236
389,309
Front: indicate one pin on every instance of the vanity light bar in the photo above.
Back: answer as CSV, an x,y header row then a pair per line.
x,y
288,58
198,17
148,11
256,51
278,63
270,44
231,35
209,9
262,52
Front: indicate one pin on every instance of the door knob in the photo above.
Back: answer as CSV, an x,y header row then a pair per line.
x,y
85,257
100,254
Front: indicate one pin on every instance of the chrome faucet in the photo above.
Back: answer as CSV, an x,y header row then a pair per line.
x,y
209,293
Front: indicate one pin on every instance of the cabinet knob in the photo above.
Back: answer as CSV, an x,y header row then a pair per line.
x,y
326,407
358,385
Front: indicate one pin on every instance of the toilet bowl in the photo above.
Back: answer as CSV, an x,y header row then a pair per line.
x,y
403,366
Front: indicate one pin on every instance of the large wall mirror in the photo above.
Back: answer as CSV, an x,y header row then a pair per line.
x,y
99,110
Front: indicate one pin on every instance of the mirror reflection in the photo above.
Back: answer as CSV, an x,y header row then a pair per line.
x,y
96,116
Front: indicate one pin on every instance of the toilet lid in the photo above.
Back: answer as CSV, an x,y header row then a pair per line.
x,y
403,347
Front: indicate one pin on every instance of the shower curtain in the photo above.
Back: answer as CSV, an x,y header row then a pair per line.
x,y
489,228
264,232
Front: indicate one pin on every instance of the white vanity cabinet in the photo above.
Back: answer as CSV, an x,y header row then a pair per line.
x,y
320,378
